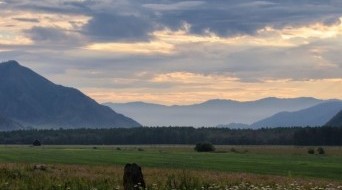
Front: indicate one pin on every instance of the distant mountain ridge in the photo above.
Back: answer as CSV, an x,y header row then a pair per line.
x,y
336,121
314,116
32,100
212,112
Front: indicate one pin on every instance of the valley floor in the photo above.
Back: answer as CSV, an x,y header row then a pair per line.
x,y
170,167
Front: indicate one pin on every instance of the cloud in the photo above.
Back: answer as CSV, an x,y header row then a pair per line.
x,y
185,5
220,88
178,51
136,20
235,18
45,34
114,27
254,4
147,48
34,20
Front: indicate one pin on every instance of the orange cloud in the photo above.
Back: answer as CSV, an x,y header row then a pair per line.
x,y
208,87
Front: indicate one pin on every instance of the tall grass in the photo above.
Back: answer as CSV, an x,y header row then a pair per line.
x,y
83,177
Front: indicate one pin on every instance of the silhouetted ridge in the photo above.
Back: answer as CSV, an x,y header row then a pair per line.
x,y
336,121
314,116
33,100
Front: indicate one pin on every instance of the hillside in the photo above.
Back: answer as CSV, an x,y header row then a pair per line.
x,y
210,113
7,124
34,101
314,116
336,121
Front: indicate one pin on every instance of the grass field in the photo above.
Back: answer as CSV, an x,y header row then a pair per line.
x,y
262,164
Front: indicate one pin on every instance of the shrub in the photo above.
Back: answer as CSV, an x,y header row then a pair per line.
x,y
320,150
36,143
204,147
311,151
233,150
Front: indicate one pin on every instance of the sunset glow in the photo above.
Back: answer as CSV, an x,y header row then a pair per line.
x,y
179,52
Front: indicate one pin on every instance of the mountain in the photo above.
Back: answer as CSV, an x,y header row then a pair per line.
x,y
314,116
210,113
7,124
336,121
32,100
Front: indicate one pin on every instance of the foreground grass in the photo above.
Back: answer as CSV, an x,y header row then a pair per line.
x,y
84,177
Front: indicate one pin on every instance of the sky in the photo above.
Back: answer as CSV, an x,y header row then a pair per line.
x,y
179,52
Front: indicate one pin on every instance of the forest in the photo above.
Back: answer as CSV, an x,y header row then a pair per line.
x,y
177,135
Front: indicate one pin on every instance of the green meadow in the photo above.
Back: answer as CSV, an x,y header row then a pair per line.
x,y
170,167
283,161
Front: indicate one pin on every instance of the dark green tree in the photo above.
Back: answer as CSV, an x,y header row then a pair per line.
x,y
36,143
204,147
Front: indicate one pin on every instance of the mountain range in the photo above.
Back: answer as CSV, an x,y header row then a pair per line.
x,y
33,101
314,116
28,100
216,112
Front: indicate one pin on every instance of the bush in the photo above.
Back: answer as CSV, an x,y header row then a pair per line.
x,y
36,143
311,151
320,150
204,147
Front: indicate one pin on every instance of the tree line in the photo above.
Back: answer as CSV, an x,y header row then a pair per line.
x,y
178,135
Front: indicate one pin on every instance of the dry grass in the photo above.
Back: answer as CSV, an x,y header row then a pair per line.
x,y
58,176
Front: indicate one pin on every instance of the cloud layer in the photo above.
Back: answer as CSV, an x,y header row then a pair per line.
x,y
179,51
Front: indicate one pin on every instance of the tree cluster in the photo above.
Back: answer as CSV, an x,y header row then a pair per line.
x,y
204,147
